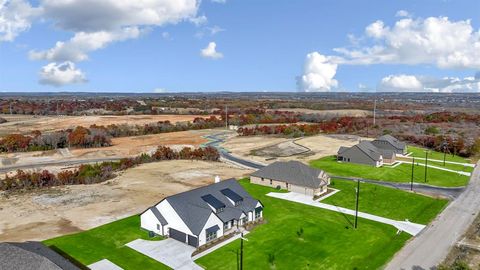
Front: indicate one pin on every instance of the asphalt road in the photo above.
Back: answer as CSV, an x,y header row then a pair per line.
x,y
56,163
430,248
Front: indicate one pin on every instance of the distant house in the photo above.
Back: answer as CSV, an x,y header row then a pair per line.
x,y
199,216
365,153
294,176
388,142
32,256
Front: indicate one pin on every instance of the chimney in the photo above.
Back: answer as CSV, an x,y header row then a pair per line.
x,y
217,179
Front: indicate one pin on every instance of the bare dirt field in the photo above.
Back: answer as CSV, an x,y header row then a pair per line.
x,y
329,113
57,211
122,147
27,123
267,149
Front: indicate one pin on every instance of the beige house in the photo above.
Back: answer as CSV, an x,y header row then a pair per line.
x,y
293,176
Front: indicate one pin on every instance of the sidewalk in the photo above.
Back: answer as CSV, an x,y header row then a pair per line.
x,y
405,226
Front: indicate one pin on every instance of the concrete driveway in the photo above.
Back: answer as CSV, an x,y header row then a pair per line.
x,y
170,252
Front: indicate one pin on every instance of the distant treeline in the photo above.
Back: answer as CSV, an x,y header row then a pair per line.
x,y
96,173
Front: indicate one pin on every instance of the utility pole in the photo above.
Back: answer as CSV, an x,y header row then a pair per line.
x,y
374,111
226,116
411,179
356,204
426,165
241,250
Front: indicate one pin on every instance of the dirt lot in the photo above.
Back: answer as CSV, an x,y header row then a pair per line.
x,y
122,147
57,211
28,123
267,149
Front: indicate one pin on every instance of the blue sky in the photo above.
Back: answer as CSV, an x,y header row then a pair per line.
x,y
263,46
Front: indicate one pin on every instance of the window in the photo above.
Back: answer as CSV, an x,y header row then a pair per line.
x,y
237,203
263,179
244,220
257,214
225,225
271,182
219,210
211,236
286,185
158,227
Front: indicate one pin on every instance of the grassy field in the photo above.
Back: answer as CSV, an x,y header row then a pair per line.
x,y
386,202
108,242
401,173
328,240
420,152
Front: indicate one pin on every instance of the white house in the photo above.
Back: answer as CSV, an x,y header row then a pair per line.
x,y
199,216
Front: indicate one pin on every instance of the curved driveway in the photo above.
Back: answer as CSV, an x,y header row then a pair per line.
x,y
430,248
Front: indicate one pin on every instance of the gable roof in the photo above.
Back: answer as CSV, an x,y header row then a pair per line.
x,y
294,172
369,149
195,211
392,140
158,215
32,255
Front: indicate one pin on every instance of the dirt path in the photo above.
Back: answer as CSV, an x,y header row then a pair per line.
x,y
57,211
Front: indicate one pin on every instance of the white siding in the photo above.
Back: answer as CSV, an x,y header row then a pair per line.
x,y
212,221
149,222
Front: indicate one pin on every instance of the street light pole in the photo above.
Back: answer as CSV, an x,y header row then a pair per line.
x,y
356,204
411,180
426,165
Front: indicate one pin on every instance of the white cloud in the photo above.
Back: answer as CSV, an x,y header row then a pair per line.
x,y
211,52
108,15
199,21
61,74
400,83
412,83
166,35
318,74
15,17
434,40
78,47
219,1
402,13
160,90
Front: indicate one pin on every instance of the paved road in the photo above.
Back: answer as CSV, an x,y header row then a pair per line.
x,y
56,163
449,192
405,226
431,247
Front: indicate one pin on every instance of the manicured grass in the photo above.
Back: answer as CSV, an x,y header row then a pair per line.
x,y
456,167
108,242
386,202
328,240
420,152
401,173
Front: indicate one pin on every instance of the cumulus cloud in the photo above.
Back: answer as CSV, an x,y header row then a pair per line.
x,y
15,17
435,40
61,74
211,51
400,83
318,74
78,47
402,13
94,15
199,21
413,83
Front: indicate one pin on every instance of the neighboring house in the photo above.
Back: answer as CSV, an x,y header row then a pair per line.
x,y
365,153
293,176
388,142
32,256
199,216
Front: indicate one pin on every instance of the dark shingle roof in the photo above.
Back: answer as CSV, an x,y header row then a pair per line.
x,y
194,211
32,255
392,140
369,149
158,215
293,172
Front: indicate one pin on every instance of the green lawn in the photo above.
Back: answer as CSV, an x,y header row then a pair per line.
x,y
401,173
107,242
328,241
386,202
420,152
